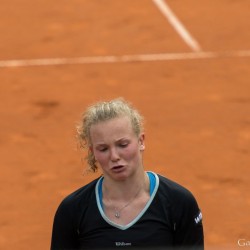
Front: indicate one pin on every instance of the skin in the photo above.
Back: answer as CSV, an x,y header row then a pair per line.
x,y
118,151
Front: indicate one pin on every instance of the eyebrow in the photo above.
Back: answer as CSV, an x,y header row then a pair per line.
x,y
119,140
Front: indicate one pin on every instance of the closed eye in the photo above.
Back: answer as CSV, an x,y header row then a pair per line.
x,y
123,145
102,149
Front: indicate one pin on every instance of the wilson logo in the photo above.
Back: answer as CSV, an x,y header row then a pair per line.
x,y
122,244
198,219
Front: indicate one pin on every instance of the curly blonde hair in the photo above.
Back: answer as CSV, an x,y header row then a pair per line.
x,y
103,111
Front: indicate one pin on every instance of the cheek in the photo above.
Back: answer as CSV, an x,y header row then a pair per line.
x,y
100,157
131,152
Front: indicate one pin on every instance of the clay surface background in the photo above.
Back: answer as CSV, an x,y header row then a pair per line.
x,y
197,111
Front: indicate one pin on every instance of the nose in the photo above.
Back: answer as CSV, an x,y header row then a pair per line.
x,y
114,156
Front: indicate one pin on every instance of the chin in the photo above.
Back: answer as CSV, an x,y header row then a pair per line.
x,y
122,176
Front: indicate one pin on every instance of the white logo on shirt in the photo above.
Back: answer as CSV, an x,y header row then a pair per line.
x,y
122,244
198,218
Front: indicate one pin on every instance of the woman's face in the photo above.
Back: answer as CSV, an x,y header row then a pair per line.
x,y
116,147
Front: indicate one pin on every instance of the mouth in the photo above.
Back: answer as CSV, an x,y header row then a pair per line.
x,y
117,168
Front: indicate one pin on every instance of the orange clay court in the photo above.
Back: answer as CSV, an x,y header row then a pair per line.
x,y
187,71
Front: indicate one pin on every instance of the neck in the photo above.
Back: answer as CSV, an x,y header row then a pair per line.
x,y
117,190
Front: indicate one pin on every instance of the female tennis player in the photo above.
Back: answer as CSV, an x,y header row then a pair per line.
x,y
127,206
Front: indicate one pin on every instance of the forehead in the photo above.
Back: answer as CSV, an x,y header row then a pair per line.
x,y
120,126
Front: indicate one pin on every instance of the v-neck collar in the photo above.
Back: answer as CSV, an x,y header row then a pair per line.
x,y
98,193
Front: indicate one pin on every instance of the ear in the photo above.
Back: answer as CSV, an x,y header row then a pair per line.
x,y
91,149
141,141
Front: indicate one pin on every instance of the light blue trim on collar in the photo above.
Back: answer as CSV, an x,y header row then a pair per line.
x,y
98,193
152,181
